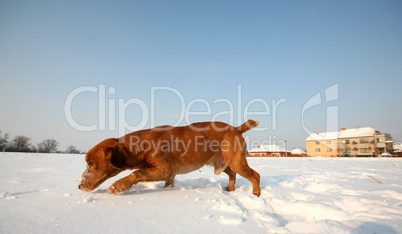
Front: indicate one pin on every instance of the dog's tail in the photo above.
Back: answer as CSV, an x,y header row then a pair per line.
x,y
249,124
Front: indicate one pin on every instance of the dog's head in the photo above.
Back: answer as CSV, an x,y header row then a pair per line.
x,y
104,161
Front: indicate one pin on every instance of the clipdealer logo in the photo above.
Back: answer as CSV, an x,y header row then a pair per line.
x,y
108,119
107,108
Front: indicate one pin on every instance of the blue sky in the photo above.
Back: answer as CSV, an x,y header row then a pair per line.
x,y
273,50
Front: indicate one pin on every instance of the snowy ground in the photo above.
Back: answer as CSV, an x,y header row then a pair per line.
x,y
38,194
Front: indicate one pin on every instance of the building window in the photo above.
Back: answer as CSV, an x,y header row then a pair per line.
x,y
364,141
317,142
365,150
329,149
345,142
317,150
379,140
328,142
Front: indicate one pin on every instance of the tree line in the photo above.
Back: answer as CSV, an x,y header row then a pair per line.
x,y
23,144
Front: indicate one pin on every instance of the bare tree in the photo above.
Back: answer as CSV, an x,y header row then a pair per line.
x,y
20,144
3,141
72,150
48,146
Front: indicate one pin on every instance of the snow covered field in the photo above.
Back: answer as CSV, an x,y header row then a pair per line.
x,y
38,194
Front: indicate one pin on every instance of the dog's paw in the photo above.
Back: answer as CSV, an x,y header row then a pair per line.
x,y
168,186
119,187
229,189
257,192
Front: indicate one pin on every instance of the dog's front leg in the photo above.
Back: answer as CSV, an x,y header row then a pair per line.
x,y
121,185
143,175
169,183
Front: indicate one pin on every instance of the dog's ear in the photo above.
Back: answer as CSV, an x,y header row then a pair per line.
x,y
117,155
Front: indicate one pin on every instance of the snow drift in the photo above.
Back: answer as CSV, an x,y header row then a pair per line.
x,y
38,194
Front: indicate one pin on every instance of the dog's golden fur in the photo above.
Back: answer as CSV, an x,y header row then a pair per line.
x,y
160,153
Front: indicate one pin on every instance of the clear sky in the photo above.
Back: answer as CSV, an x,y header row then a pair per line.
x,y
209,50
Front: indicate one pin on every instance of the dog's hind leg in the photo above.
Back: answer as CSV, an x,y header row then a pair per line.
x,y
232,179
169,183
244,170
235,156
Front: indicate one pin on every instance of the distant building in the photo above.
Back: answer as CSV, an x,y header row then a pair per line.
x,y
355,142
397,149
298,153
268,151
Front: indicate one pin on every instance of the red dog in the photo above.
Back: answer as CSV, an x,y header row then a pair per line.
x,y
163,152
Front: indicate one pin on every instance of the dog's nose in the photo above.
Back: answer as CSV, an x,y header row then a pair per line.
x,y
79,186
